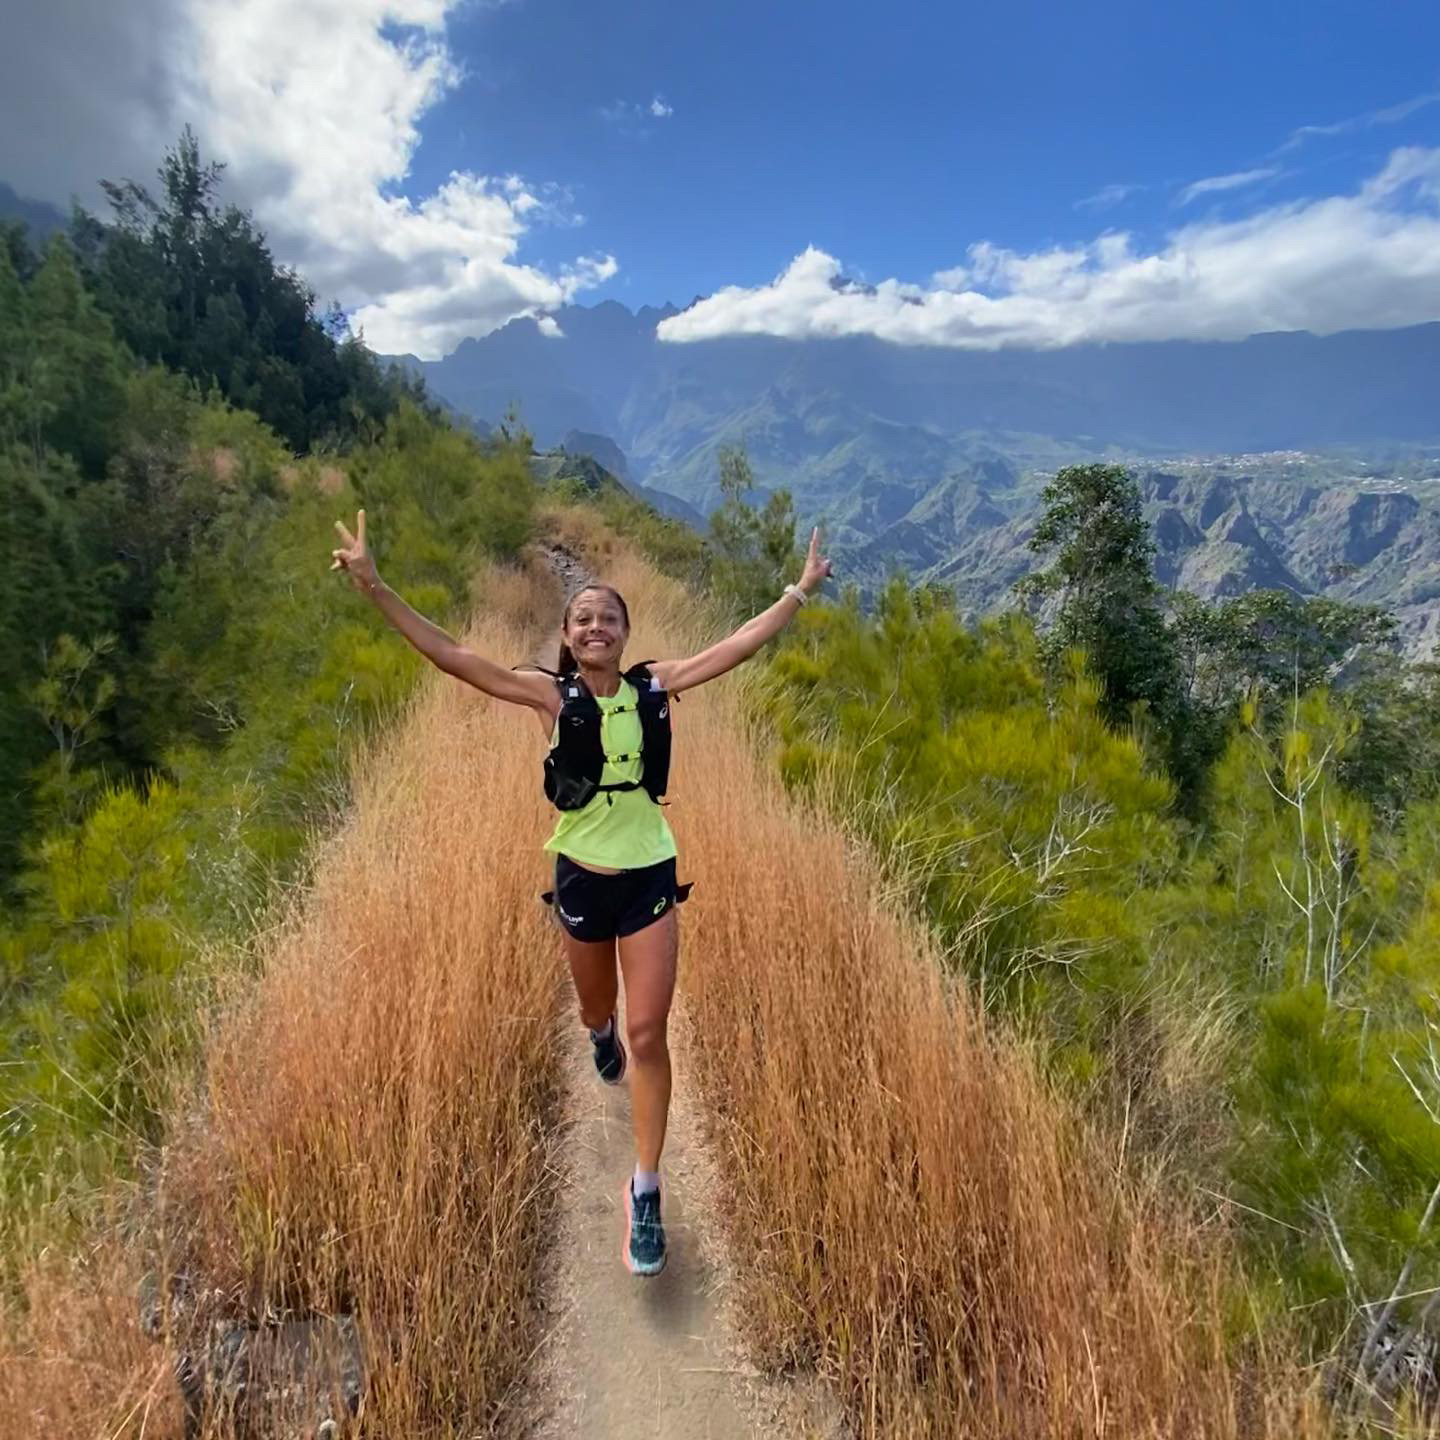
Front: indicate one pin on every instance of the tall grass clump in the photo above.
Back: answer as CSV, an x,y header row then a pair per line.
x,y
373,1133
1248,994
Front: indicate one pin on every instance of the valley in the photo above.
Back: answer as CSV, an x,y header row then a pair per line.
x,y
1282,461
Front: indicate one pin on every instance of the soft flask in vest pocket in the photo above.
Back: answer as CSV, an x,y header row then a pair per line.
x,y
567,792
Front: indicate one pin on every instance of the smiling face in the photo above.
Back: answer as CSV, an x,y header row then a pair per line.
x,y
597,627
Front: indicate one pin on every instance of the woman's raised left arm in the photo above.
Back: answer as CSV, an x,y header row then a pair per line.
x,y
734,649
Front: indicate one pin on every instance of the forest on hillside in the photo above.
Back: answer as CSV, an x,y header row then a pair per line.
x,y
179,426
1188,850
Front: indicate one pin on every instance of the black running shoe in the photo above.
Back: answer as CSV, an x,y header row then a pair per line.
x,y
645,1244
609,1055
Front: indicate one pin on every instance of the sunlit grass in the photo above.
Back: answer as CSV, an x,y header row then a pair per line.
x,y
913,1213
374,1129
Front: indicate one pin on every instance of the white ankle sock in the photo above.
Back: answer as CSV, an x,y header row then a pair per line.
x,y
645,1180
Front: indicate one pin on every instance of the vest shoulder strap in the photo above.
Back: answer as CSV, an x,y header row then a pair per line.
x,y
640,677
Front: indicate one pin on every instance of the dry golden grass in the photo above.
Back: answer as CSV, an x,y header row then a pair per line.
x,y
916,1216
912,1213
78,1364
375,1127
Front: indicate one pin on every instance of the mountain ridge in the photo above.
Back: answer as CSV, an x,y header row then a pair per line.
x,y
930,460
667,404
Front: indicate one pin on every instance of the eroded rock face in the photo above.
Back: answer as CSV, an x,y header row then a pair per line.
x,y
291,1378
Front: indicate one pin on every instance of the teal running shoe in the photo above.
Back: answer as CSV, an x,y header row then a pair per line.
x,y
645,1241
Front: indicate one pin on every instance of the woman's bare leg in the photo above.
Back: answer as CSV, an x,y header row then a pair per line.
x,y
648,962
597,983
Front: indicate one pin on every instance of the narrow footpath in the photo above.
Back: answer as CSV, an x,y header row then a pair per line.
x,y
627,1356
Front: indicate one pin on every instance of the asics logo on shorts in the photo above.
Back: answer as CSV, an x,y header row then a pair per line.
x,y
659,905
569,919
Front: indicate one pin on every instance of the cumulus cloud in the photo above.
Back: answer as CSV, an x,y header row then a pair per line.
x,y
89,94
549,327
315,106
1218,184
660,110
1367,259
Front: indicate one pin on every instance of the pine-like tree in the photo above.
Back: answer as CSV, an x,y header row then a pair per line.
x,y
1105,602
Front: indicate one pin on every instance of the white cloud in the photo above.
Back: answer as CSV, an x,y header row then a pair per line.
x,y
634,119
315,106
1369,259
1390,115
1218,184
1108,196
549,327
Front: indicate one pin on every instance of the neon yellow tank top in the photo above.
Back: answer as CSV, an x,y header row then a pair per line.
x,y
619,829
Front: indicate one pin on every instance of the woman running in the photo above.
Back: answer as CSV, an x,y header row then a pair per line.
x,y
615,881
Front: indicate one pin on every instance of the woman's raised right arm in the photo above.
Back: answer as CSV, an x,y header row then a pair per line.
x,y
442,650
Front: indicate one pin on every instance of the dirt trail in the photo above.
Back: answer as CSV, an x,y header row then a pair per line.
x,y
637,1357
657,1357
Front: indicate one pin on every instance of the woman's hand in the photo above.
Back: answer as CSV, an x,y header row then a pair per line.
x,y
816,571
354,559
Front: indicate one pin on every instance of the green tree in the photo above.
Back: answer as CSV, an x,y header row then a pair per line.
x,y
192,285
71,699
61,371
753,551
77,369
1270,642
47,586
1104,601
1395,760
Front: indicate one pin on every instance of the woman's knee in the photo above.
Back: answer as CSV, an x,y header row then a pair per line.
x,y
646,1034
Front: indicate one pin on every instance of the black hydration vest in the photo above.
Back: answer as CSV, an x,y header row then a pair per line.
x,y
575,764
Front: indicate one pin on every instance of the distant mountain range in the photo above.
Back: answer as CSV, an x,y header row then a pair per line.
x,y
827,417
932,459
1220,529
41,218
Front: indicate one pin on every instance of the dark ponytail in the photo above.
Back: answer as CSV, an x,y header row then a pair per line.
x,y
566,661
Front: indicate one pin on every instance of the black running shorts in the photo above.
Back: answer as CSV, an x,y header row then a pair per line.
x,y
592,906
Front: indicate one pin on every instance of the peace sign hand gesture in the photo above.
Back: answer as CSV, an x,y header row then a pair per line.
x,y
817,570
353,558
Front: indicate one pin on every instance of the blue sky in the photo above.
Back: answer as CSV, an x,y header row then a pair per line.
x,y
893,136
1018,174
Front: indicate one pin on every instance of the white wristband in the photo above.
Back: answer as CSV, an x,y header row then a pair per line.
x,y
796,592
